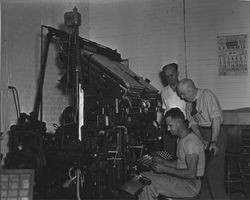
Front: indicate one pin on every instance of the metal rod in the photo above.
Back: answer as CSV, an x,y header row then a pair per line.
x,y
185,42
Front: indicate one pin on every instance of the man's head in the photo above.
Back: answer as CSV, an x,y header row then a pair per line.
x,y
187,90
170,73
175,120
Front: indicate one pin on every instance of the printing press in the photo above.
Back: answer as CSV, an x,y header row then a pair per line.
x,y
119,107
104,131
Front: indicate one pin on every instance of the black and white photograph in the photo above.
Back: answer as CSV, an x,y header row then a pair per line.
x,y
125,100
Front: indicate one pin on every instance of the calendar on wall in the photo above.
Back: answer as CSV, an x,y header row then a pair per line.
x,y
232,55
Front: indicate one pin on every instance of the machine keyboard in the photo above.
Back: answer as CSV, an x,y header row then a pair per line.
x,y
147,159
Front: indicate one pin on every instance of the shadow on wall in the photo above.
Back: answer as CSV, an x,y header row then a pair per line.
x,y
65,83
163,79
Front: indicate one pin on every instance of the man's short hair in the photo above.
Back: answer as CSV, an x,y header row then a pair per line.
x,y
173,65
175,113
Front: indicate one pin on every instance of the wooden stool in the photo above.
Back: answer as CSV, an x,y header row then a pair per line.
x,y
162,197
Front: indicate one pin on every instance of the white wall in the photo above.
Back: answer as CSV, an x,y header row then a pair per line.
x,y
20,61
205,21
150,34
147,32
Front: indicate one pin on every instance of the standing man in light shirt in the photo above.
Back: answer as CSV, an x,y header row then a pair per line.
x,y
170,99
205,119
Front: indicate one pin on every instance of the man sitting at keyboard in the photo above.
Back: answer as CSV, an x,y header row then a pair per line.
x,y
181,177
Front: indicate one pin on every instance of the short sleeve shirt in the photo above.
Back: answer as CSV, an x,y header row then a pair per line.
x,y
190,144
170,99
208,108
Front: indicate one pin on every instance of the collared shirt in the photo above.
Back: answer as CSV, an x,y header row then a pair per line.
x,y
208,108
170,99
190,144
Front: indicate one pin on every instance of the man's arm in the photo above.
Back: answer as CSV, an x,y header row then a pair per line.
x,y
169,163
215,114
189,172
196,131
216,123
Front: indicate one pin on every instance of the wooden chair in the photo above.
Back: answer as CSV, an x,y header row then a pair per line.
x,y
234,176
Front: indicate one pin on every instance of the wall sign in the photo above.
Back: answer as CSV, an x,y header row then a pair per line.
x,y
232,55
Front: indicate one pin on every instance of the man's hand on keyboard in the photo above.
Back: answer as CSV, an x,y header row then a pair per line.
x,y
158,168
160,157
157,159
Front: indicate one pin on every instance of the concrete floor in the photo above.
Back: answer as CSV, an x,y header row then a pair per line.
x,y
125,196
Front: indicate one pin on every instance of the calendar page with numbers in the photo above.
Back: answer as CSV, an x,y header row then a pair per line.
x,y
232,55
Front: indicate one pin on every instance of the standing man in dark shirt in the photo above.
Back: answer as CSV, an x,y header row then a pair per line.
x,y
205,117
